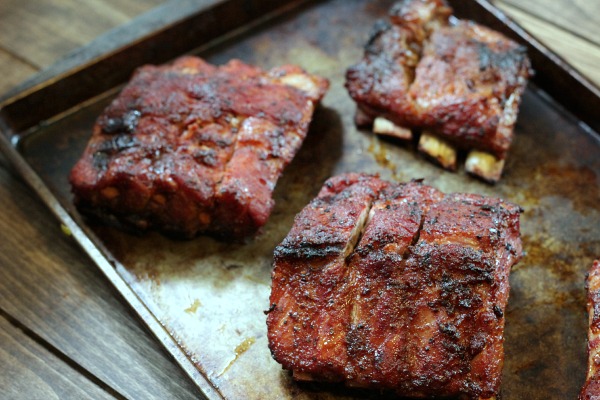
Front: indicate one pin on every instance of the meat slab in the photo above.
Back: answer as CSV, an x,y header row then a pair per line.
x,y
591,388
459,84
192,148
396,287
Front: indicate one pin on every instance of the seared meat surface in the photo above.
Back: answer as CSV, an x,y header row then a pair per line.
x,y
396,287
591,388
192,148
459,83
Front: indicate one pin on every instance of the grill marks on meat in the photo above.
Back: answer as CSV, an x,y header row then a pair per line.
x,y
591,388
460,84
193,148
415,305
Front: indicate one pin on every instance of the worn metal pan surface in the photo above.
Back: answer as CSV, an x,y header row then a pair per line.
x,y
204,299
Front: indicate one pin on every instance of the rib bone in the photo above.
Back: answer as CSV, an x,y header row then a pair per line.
x,y
439,150
484,165
384,126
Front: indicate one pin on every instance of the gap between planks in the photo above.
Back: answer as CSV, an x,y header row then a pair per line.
x,y
60,355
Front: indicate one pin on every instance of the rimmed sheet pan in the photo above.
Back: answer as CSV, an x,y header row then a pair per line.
x,y
204,299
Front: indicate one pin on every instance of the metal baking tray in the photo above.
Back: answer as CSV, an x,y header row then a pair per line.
x,y
204,299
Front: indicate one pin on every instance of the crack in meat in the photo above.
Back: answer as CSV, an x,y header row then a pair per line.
x,y
418,305
192,148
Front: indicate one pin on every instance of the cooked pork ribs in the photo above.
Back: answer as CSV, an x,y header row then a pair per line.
x,y
459,84
591,388
192,148
397,287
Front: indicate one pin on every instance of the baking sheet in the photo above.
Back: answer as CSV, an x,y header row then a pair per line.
x,y
210,295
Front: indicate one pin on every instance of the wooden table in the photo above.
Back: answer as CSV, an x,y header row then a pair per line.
x,y
64,332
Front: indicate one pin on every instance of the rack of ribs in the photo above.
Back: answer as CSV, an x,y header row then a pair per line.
x,y
395,287
190,148
457,83
591,388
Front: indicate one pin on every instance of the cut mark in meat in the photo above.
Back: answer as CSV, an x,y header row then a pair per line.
x,y
359,230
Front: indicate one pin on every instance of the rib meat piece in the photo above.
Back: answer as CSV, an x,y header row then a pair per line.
x,y
310,267
396,287
192,148
591,388
459,83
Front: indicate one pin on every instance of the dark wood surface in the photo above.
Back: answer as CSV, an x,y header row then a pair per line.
x,y
64,332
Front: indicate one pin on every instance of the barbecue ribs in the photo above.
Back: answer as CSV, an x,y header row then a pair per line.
x,y
192,148
397,287
591,388
459,84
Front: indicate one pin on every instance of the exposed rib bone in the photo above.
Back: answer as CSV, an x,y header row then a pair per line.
x,y
383,126
439,150
301,82
484,165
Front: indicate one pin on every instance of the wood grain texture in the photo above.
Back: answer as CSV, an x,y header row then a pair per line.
x,y
29,371
581,48
12,71
40,32
56,292
579,17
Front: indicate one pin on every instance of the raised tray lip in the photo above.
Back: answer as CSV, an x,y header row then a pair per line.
x,y
139,32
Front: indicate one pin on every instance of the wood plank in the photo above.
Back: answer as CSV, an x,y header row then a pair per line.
x,y
12,71
579,17
53,28
55,290
29,371
582,54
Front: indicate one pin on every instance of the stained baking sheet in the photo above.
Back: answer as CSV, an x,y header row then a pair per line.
x,y
204,299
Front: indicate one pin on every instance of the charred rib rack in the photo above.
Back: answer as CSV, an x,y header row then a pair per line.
x,y
396,287
591,388
192,148
459,83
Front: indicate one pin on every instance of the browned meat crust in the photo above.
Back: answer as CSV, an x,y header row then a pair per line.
x,y
380,82
396,287
591,388
192,148
468,86
460,81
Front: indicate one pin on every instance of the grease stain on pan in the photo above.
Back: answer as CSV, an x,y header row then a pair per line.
x,y
239,350
578,183
382,156
193,307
